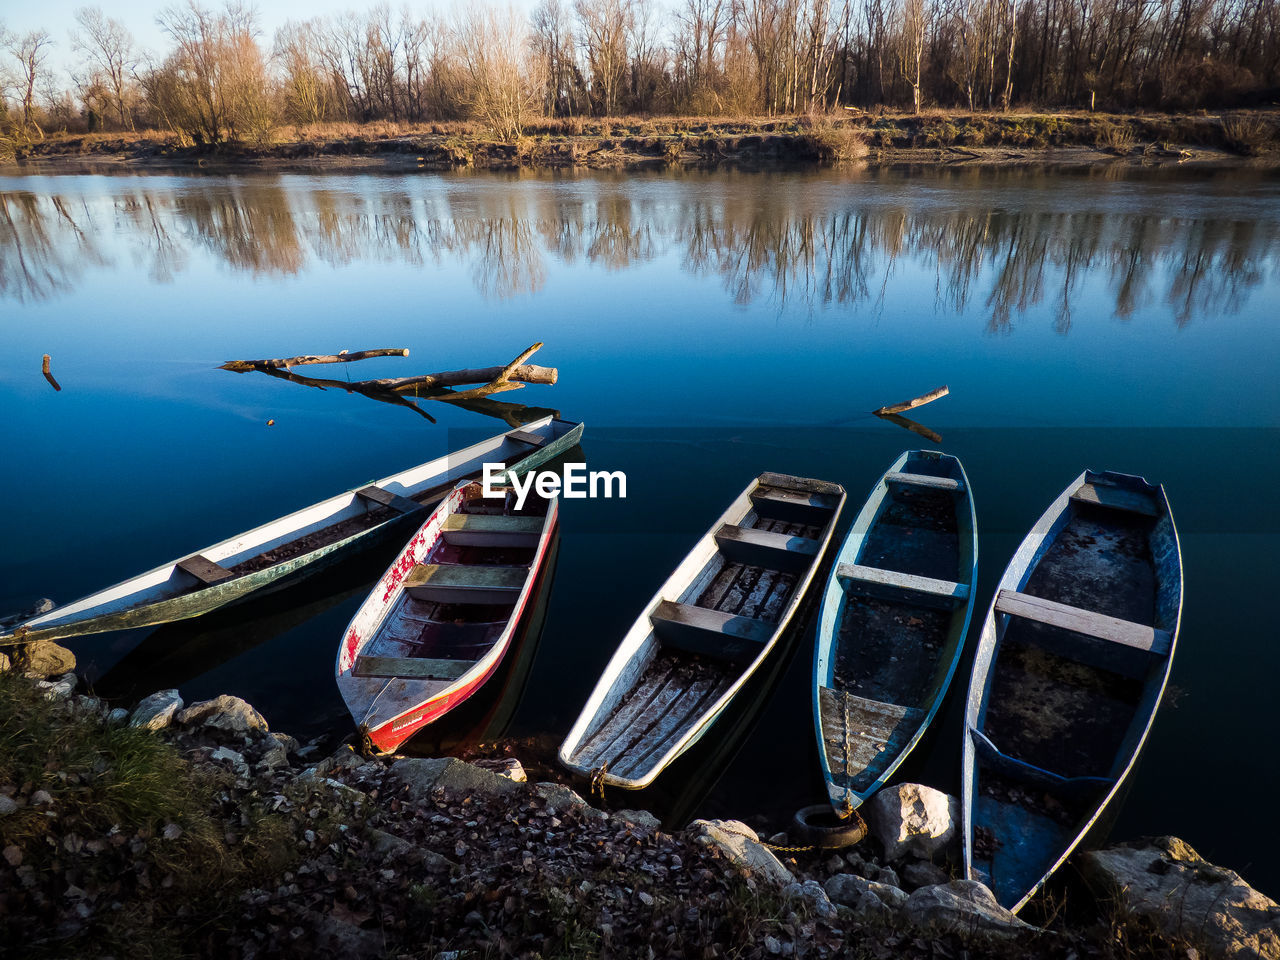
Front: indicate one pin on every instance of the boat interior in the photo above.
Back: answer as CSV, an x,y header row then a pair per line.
x,y
702,642
897,632
1082,650
457,600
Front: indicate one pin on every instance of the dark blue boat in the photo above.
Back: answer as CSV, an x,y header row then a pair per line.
x,y
1070,668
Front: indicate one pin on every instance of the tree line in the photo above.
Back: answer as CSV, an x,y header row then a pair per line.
x,y
220,78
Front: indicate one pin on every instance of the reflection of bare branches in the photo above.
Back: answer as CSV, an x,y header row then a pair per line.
x,y
908,424
787,241
383,396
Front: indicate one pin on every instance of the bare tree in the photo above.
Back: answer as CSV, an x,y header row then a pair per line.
x,y
109,49
29,51
214,85
605,25
504,89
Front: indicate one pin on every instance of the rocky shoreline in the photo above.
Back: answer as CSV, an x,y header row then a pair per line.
x,y
195,830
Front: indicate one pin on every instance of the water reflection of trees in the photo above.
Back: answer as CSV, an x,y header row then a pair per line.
x,y
805,245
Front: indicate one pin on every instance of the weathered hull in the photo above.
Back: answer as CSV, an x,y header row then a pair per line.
x,y
705,633
390,709
891,629
161,598
1072,664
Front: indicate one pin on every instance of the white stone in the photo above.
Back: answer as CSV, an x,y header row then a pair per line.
x,y
912,818
156,711
225,712
962,906
1184,896
741,846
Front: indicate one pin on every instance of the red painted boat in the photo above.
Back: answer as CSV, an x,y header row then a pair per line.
x,y
440,620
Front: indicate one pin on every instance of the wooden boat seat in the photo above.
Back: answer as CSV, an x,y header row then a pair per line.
x,y
524,436
1097,625
895,585
946,484
1116,498
763,548
416,668
794,506
861,736
204,569
710,633
486,530
463,583
386,498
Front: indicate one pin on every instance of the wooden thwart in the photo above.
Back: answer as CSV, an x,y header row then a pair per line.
x,y
204,569
525,437
793,506
479,530
411,668
1087,622
1116,498
905,582
923,480
389,499
763,548
712,633
460,583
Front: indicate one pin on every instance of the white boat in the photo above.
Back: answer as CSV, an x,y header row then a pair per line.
x,y
278,553
705,632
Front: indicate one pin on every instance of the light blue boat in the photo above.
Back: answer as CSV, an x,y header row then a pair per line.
x,y
893,622
1070,668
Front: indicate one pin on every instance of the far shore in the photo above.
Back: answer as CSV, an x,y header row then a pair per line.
x,y
632,143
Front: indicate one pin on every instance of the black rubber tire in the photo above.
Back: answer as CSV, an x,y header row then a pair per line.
x,y
828,836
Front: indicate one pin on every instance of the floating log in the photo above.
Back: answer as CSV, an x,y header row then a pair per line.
x,y
919,401
244,366
44,368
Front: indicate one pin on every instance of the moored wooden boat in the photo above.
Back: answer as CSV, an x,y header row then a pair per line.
x,y
891,629
705,632
440,620
1071,665
284,550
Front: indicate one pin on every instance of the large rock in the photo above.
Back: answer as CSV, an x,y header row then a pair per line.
x,y
1187,898
912,818
962,906
812,894
864,897
422,776
224,713
742,847
561,799
44,658
156,711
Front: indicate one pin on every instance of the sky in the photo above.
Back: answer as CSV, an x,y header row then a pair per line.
x,y
58,18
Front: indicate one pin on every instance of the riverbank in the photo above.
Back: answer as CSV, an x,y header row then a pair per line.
x,y
195,830
638,143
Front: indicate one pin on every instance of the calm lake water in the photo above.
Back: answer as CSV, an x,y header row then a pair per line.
x,y
706,326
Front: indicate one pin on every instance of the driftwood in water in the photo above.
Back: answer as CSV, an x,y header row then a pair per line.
x,y
44,368
244,366
491,379
373,393
919,401
908,424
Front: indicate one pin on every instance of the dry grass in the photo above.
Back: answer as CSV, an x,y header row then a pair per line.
x,y
1249,135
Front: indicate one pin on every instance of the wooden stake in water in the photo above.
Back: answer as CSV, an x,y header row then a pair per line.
x,y
44,368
